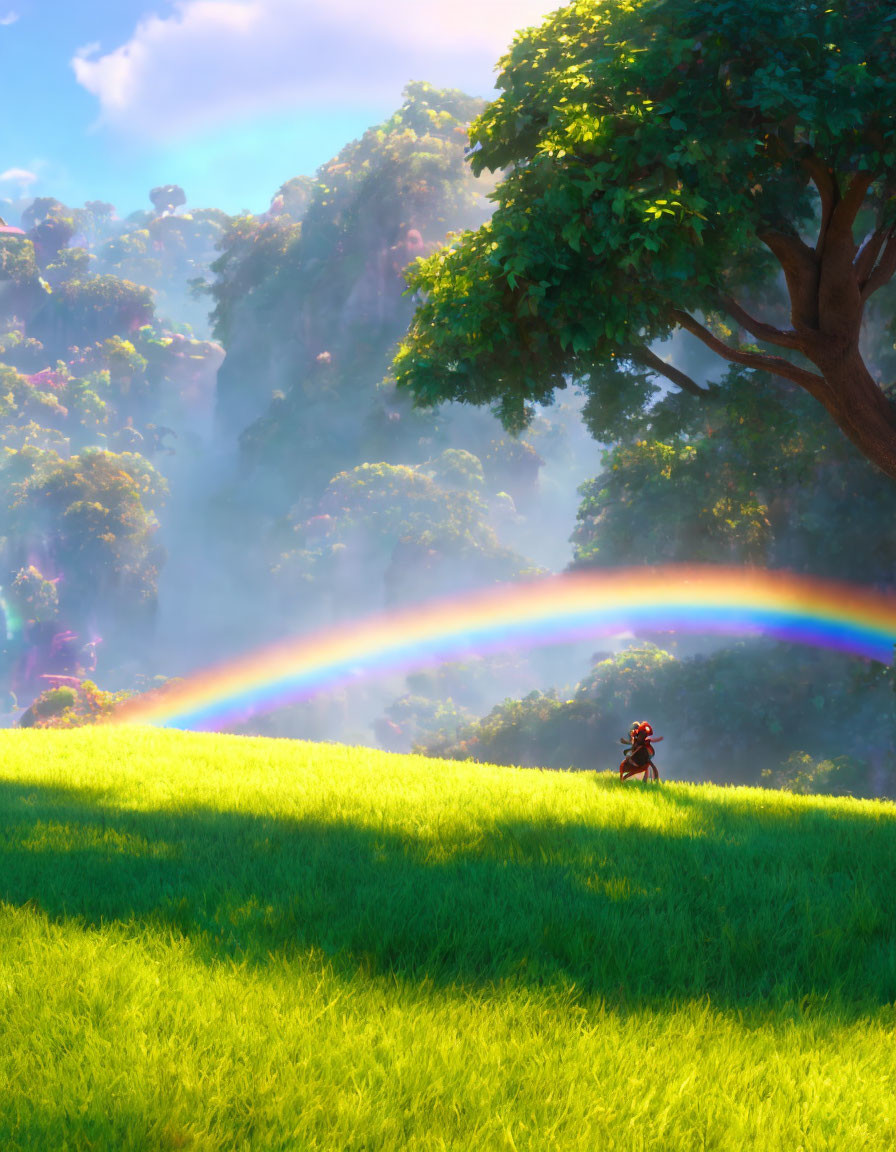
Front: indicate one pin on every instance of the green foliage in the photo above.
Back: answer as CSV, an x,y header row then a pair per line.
x,y
24,398
457,468
72,706
411,718
94,516
722,716
132,257
171,255
620,683
81,312
511,464
515,732
754,474
393,501
293,198
121,358
44,208
645,148
577,732
49,708
33,597
252,251
113,393
803,774
49,237
444,699
17,262
67,264
312,310
390,531
20,278
656,502
21,352
405,173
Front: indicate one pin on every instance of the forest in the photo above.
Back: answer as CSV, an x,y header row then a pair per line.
x,y
424,370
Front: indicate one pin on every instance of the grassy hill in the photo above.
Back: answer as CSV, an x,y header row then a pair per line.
x,y
213,942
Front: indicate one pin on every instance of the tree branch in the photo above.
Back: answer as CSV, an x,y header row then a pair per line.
x,y
647,359
758,328
791,250
844,214
884,270
800,266
812,382
868,252
829,193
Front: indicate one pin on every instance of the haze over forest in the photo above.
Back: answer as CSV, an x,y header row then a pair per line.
x,y
204,450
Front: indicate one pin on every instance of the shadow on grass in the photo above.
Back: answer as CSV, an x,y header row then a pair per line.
x,y
733,906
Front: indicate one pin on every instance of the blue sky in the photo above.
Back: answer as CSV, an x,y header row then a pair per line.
x,y
103,99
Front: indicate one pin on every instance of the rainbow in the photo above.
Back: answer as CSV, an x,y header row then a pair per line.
x,y
551,610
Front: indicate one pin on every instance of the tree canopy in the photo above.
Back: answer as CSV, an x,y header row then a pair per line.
x,y
167,197
754,475
668,164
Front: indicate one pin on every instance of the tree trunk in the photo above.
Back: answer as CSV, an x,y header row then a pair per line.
x,y
858,406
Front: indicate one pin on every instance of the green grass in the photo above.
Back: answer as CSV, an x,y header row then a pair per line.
x,y
223,943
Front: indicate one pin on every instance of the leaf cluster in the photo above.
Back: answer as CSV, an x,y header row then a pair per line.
x,y
754,475
645,147
390,531
72,707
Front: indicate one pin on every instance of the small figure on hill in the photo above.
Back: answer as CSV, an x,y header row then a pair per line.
x,y
639,754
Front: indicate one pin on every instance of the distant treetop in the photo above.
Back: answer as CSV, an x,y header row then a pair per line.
x,y
166,198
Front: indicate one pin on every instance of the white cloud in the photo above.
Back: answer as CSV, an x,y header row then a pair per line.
x,y
21,176
9,18
215,59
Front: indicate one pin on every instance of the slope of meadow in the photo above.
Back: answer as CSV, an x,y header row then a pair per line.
x,y
212,942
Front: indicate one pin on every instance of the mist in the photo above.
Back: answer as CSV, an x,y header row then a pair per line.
x,y
206,454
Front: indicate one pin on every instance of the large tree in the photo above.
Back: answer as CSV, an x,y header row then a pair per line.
x,y
675,164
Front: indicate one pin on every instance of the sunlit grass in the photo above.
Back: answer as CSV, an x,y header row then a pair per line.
x,y
223,943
